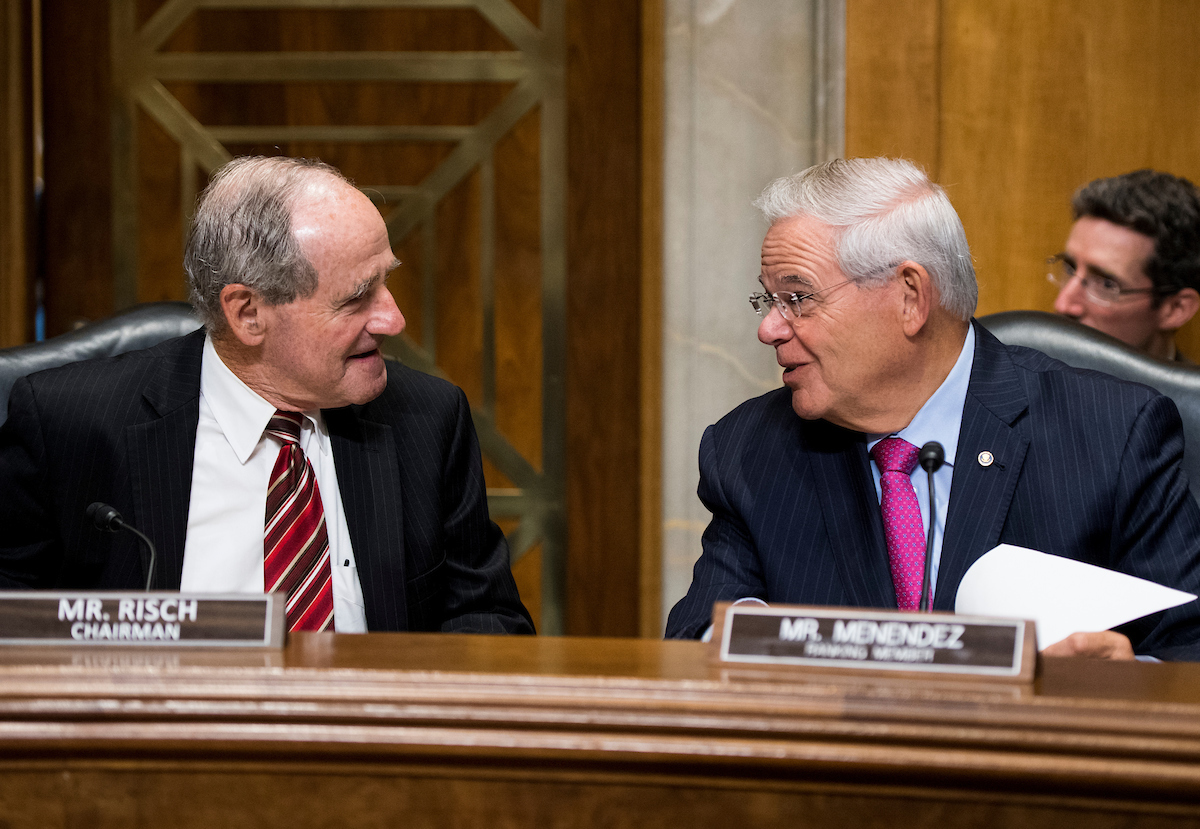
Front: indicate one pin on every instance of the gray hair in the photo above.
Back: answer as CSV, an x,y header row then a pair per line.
x,y
242,233
883,211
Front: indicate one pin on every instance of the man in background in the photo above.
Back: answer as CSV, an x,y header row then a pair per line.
x,y
1131,267
275,449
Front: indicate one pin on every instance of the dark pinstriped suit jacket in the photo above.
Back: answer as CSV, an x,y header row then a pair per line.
x,y
1086,467
123,431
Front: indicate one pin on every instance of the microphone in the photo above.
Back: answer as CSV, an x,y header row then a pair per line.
x,y
931,458
108,519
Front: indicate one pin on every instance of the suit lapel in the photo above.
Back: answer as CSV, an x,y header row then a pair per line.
x,y
851,512
364,453
161,453
982,491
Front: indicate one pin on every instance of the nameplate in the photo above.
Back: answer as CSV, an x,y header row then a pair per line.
x,y
161,619
848,638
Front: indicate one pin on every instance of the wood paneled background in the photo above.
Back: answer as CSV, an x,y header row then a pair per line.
x,y
1012,105
16,173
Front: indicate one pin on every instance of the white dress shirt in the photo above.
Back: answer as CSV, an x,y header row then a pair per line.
x,y
939,419
223,552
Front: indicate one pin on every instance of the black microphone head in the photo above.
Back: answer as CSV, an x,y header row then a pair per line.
x,y
932,456
104,517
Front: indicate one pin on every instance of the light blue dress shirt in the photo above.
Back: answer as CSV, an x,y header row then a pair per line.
x,y
939,419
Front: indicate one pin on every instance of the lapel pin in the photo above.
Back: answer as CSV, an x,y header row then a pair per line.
x,y
986,458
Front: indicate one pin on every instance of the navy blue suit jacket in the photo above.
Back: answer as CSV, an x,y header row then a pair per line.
x,y
1086,467
123,431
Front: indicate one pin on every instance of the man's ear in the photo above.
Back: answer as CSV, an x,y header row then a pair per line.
x,y
918,296
243,310
1177,309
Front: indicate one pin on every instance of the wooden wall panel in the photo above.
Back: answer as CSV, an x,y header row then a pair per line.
x,y
16,172
76,239
892,79
650,448
603,316
1033,100
159,215
1011,140
517,267
459,317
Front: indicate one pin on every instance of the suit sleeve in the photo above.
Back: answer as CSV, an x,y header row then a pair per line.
x,y
29,548
728,568
1157,525
481,595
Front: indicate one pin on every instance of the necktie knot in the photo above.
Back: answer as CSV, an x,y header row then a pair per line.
x,y
285,426
895,455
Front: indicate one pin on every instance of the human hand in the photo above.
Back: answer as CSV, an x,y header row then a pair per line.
x,y
1103,644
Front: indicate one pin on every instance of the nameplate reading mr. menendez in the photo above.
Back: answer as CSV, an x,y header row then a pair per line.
x,y
163,619
872,640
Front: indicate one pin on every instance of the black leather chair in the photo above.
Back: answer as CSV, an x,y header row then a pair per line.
x,y
139,327
1083,347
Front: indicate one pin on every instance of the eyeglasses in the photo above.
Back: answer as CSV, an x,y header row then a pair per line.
x,y
790,305
1103,290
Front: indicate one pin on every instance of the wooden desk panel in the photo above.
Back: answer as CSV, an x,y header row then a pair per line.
x,y
427,730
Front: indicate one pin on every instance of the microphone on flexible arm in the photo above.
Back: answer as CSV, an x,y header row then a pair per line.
x,y
107,518
931,458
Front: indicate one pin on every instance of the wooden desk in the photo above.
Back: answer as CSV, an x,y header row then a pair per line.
x,y
425,730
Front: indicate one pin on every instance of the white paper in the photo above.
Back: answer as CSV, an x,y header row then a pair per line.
x,y
1061,595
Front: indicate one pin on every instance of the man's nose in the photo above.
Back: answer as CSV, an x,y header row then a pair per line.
x,y
1071,298
774,329
386,319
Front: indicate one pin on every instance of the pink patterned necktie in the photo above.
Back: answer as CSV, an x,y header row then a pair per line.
x,y
902,527
295,542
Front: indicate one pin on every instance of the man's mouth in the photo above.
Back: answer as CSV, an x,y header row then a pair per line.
x,y
365,355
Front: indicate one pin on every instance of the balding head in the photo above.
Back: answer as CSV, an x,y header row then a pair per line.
x,y
242,233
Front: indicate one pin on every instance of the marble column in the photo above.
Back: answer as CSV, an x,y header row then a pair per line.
x,y
753,92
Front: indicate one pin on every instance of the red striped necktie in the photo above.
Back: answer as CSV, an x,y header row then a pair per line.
x,y
295,543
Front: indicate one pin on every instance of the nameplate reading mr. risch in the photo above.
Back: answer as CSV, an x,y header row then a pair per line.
x,y
142,619
873,640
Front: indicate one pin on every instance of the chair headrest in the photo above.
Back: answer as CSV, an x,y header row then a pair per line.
x,y
1082,347
139,327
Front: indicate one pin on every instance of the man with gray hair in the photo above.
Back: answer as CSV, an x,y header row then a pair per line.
x,y
273,450
867,295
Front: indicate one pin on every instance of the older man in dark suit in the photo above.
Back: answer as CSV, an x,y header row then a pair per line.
x,y
273,450
815,491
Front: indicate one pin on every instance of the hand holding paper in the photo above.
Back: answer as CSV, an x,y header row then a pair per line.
x,y
1061,595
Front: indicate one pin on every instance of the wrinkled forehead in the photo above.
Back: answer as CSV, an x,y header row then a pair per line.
x,y
800,250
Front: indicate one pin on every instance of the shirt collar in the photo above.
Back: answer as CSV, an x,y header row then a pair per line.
x,y
940,418
241,412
